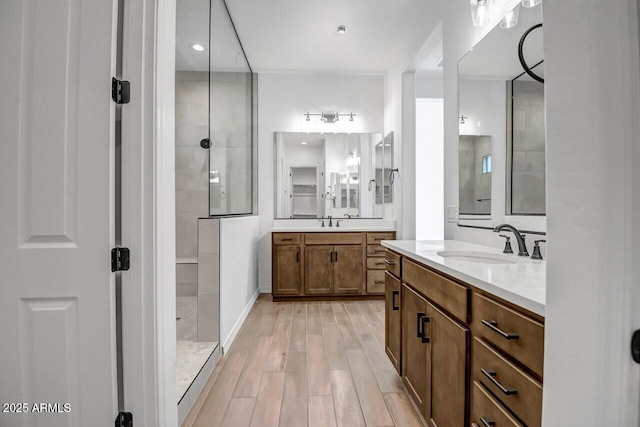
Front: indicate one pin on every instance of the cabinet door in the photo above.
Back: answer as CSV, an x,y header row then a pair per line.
x,y
287,270
450,343
392,320
348,269
318,270
416,350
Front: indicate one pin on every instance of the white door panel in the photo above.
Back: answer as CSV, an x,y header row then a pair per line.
x,y
56,211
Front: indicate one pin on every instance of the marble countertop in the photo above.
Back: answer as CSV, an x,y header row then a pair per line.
x,y
522,283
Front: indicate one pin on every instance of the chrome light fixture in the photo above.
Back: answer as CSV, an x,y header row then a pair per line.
x,y
531,3
479,13
329,117
511,20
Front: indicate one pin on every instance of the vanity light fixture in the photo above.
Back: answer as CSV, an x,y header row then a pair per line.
x,y
479,13
329,117
511,19
342,29
531,3
197,47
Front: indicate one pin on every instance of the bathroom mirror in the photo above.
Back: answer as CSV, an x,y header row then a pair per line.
x,y
502,106
330,174
384,166
474,156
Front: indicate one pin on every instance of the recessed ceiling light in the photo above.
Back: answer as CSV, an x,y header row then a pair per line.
x,y
197,47
342,29
303,143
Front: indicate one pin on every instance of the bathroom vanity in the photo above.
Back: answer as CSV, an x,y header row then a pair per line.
x,y
319,263
465,331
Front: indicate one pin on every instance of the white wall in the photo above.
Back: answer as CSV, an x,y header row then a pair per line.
x,y
429,160
238,273
282,99
592,91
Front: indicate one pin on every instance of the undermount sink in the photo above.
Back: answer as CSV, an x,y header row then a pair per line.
x,y
478,257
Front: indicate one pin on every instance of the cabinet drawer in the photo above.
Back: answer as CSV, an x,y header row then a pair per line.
x,y
376,238
393,263
487,411
449,295
376,264
517,390
375,250
333,238
286,238
516,334
375,282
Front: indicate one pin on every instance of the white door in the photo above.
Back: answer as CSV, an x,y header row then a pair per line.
x,y
57,315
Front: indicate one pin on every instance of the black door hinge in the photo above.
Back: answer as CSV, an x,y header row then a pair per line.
x,y
635,346
120,90
124,419
119,259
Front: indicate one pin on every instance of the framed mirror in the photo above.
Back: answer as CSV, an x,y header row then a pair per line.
x,y
330,174
501,123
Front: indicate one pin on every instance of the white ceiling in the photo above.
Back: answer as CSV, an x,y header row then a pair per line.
x,y
295,35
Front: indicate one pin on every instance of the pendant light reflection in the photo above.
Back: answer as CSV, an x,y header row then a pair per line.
x,y
511,20
479,12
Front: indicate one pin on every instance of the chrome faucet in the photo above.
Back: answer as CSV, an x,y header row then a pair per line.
x,y
522,245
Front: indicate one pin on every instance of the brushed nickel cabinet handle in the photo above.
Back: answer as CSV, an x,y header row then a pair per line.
x,y
509,391
493,325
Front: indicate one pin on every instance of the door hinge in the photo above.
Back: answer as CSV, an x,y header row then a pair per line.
x,y
119,259
124,419
120,90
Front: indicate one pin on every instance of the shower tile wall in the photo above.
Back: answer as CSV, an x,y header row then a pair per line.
x,y
192,173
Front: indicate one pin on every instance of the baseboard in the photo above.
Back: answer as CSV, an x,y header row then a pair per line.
x,y
236,328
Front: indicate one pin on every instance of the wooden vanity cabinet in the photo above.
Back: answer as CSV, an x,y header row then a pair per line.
x,y
393,321
333,270
434,360
326,264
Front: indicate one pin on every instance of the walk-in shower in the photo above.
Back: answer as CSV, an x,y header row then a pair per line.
x,y
215,163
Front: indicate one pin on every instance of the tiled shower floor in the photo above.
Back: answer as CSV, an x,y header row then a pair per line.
x,y
191,355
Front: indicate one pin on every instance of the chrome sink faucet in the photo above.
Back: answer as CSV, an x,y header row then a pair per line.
x,y
522,245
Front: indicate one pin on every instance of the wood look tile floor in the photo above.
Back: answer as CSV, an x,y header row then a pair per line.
x,y
316,364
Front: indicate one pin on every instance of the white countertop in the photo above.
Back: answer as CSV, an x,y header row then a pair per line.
x,y
522,283
346,225
327,229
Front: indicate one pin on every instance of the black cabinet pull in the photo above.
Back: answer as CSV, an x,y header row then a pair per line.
x,y
298,256
379,263
379,282
425,319
287,240
336,259
493,325
422,319
394,305
386,261
509,391
331,254
487,422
